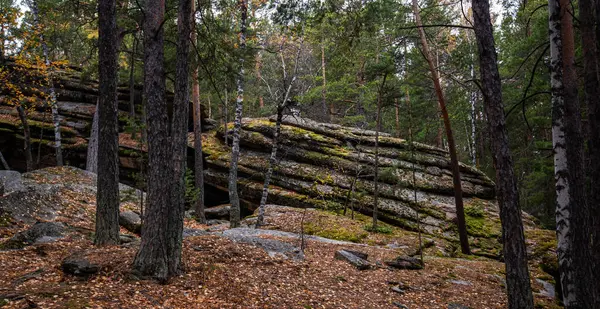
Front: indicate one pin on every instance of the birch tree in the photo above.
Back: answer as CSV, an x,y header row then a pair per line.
x,y
234,198
198,158
281,105
33,5
571,206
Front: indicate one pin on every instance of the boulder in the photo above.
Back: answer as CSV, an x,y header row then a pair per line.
x,y
218,212
273,247
77,265
353,257
41,232
405,262
10,181
131,221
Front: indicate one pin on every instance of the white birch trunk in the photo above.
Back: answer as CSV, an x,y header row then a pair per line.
x,y
234,198
563,216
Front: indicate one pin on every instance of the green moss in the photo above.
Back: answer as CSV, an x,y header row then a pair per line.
x,y
335,231
381,229
481,227
475,211
388,175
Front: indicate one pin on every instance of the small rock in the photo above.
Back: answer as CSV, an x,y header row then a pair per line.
x,y
218,212
350,257
548,289
399,305
405,262
193,232
41,232
460,282
398,290
79,266
131,221
125,239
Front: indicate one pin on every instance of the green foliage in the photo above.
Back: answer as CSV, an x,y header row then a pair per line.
x,y
192,194
335,231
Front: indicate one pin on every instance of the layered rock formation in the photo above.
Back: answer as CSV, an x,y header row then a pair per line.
x,y
332,167
76,101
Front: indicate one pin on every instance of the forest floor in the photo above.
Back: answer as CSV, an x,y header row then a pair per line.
x,y
222,273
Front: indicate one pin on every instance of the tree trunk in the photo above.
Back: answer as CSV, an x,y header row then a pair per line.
x,y
460,214
53,105
91,163
27,138
107,198
592,98
198,158
326,112
234,198
515,252
152,257
397,108
473,101
272,161
179,130
132,80
572,213
377,129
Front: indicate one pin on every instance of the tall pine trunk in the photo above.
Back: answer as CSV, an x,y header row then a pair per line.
x,y
91,163
152,257
515,253
26,139
589,43
179,137
198,158
107,198
234,198
327,113
460,214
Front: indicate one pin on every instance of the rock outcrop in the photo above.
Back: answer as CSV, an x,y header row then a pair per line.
x,y
332,167
77,96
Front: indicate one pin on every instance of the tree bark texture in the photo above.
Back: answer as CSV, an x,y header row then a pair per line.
x,y
152,257
460,214
91,164
107,198
587,18
515,251
179,137
234,198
